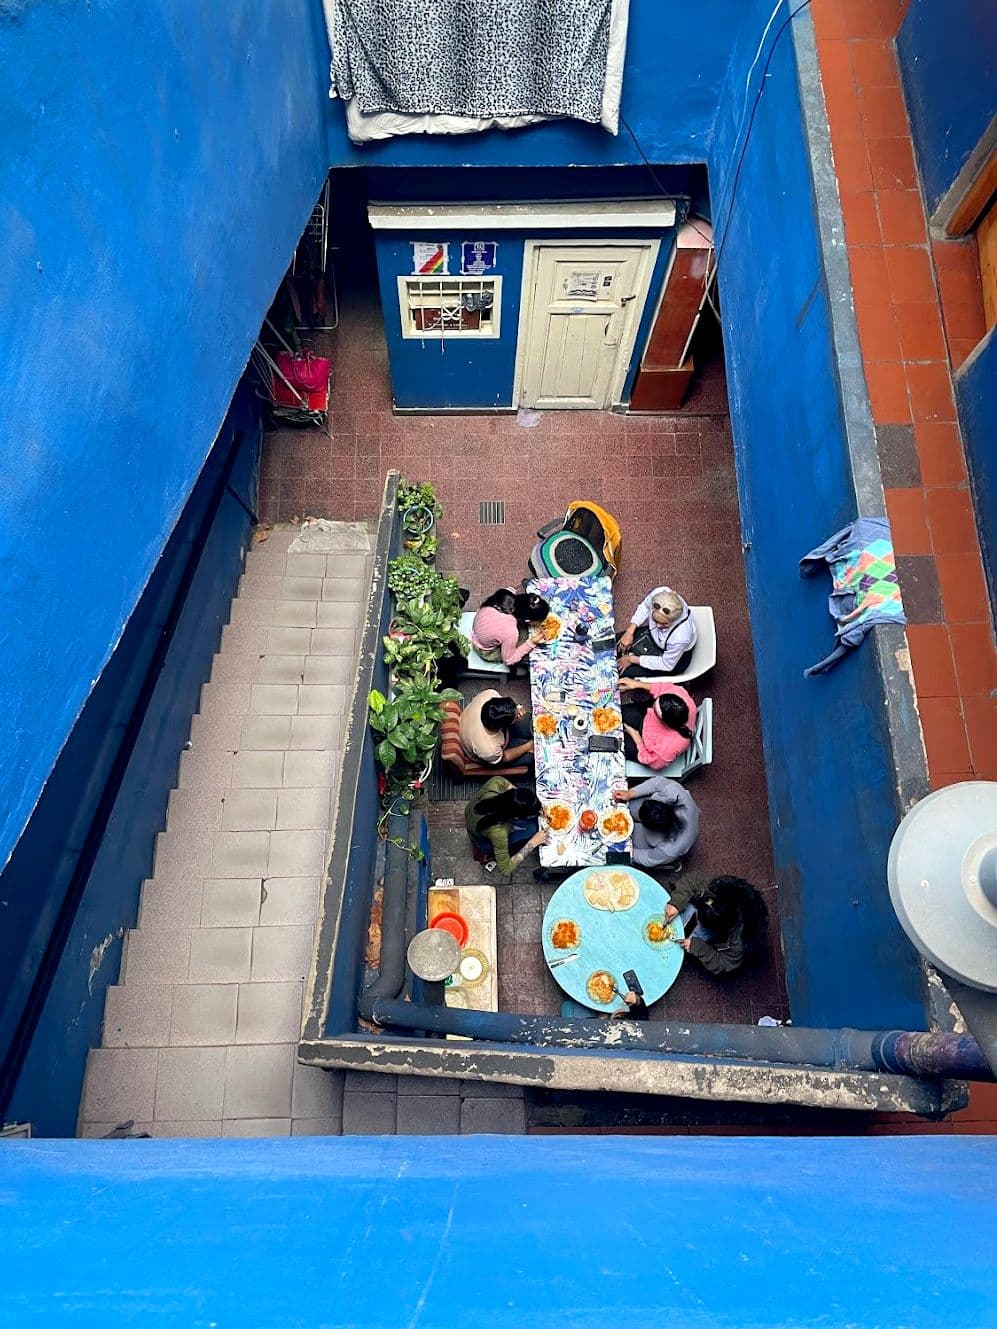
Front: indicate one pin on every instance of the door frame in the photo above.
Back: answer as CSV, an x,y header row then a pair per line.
x,y
527,298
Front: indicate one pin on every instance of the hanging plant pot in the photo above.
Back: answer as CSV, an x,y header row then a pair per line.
x,y
418,520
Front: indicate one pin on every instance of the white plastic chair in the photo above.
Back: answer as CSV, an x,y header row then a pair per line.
x,y
475,663
698,753
704,653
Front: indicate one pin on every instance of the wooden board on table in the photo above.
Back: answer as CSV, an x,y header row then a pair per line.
x,y
475,904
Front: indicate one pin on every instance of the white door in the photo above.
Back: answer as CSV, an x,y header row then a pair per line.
x,y
579,322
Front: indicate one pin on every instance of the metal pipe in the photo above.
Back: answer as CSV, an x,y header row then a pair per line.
x,y
895,1051
391,978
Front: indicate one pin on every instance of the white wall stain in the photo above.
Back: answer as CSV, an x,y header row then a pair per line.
x,y
98,953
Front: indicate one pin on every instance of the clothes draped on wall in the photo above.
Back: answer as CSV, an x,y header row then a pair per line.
x,y
864,575
460,66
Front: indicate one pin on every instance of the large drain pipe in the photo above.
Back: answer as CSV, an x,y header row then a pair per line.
x,y
391,978
951,1056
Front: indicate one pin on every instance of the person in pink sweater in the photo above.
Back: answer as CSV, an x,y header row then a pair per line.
x,y
658,721
508,626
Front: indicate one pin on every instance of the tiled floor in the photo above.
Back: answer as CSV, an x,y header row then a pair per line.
x,y
920,313
670,482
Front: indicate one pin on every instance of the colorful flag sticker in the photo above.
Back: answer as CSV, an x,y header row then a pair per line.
x,y
430,259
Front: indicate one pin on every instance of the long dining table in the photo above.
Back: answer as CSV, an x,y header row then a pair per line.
x,y
574,687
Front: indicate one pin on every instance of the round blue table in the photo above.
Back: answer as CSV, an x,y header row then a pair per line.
x,y
612,940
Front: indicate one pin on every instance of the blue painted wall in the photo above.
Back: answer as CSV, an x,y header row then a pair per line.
x,y
677,57
948,64
831,796
63,1006
157,165
976,397
455,372
401,1231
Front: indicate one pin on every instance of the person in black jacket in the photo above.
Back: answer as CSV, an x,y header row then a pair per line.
x,y
731,921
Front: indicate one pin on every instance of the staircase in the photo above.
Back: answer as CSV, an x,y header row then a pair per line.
x,y
200,1032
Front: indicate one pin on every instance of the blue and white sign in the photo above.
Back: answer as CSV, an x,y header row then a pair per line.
x,y
477,257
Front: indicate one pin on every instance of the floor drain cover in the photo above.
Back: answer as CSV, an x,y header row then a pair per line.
x,y
492,513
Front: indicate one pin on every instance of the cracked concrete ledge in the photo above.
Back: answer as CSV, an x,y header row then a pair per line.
x,y
727,1080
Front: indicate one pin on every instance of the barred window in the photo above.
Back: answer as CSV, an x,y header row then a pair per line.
x,y
450,306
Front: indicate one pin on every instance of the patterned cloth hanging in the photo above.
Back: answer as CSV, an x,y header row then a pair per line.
x,y
864,576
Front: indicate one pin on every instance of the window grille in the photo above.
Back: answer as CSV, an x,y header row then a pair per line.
x,y
450,306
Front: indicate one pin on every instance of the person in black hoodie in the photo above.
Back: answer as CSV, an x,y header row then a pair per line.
x,y
731,921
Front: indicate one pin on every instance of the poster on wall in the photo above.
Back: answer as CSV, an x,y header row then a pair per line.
x,y
478,257
430,259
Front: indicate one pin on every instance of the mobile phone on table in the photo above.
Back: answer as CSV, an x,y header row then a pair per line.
x,y
603,643
633,982
604,743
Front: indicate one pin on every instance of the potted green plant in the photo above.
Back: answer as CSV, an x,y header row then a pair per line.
x,y
419,508
408,724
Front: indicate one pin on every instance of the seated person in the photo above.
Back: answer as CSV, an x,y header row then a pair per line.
x,y
503,818
508,626
666,821
731,919
488,724
635,1008
660,636
658,721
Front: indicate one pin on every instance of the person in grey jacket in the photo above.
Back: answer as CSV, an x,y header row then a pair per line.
x,y
730,922
666,821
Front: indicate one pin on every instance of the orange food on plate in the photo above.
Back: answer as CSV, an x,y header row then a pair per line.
x,y
551,627
558,816
588,820
546,724
605,719
565,935
617,825
658,932
601,987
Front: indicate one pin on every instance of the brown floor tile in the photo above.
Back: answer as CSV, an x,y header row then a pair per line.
x,y
964,591
944,734
975,658
939,449
952,521
908,520
892,163
930,392
931,660
861,217
911,276
888,393
981,725
901,217
874,64
921,334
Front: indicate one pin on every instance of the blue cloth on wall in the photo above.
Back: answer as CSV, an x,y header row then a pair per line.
x,y
866,590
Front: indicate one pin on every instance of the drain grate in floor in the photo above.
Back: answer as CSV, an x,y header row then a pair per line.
x,y
492,512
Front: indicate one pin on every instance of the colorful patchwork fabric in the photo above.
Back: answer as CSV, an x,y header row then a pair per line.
x,y
864,576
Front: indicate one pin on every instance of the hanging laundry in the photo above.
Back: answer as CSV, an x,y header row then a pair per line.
x,y
864,576
403,67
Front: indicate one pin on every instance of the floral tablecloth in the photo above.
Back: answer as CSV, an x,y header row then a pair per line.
x,y
575,694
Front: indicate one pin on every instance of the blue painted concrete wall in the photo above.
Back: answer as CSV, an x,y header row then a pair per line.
x,y
477,372
948,64
976,397
157,165
707,1232
62,1008
831,796
677,57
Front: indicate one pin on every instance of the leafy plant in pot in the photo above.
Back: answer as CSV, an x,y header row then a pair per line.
x,y
408,725
419,508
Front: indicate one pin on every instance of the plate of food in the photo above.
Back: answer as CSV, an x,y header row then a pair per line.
x,y
565,935
658,933
601,987
616,825
546,724
474,966
605,719
560,818
611,889
550,627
